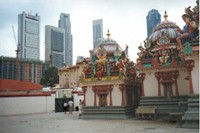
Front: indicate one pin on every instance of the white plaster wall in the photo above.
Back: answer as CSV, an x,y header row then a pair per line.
x,y
26,105
90,97
150,85
183,85
195,77
51,103
77,100
116,96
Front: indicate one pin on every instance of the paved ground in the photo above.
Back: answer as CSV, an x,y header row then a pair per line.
x,y
70,123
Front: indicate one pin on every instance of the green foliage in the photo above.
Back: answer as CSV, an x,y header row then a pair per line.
x,y
50,77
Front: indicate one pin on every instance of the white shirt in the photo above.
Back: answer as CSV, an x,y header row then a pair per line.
x,y
70,103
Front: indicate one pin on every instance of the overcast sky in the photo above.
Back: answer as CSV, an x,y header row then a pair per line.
x,y
126,20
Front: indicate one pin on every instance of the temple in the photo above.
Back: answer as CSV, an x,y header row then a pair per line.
x,y
163,84
170,60
109,82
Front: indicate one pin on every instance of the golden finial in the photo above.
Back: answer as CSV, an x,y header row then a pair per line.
x,y
165,16
108,34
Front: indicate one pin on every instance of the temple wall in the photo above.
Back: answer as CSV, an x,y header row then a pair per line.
x,y
183,85
90,97
150,85
116,96
195,77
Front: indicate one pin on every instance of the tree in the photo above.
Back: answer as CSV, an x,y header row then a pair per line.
x,y
50,77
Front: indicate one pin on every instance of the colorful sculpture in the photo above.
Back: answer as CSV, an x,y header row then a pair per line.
x,y
107,62
189,31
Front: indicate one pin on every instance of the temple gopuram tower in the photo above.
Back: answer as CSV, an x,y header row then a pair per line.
x,y
168,66
109,82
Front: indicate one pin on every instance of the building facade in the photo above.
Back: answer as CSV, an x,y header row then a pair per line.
x,y
69,76
169,73
29,36
55,46
97,32
64,23
24,69
152,19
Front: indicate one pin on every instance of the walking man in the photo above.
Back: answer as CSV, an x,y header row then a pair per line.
x,y
65,106
70,106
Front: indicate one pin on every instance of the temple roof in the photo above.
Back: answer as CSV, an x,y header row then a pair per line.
x,y
168,28
109,45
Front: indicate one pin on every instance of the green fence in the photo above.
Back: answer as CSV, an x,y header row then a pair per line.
x,y
59,102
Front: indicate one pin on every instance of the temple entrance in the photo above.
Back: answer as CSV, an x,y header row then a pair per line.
x,y
168,89
102,100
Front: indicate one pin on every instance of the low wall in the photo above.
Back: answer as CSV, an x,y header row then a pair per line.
x,y
27,104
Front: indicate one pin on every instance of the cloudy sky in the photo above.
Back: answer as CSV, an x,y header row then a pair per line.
x,y
126,20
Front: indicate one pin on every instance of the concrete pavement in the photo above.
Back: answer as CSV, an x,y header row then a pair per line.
x,y
70,123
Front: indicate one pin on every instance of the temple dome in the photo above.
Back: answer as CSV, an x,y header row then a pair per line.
x,y
109,45
168,28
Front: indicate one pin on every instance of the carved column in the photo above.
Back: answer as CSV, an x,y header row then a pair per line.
x,y
157,75
142,77
84,90
122,88
95,95
110,91
189,65
175,76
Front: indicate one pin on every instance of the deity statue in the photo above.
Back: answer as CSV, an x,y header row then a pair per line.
x,y
117,54
163,56
139,63
101,54
142,52
147,43
121,67
108,66
131,70
155,62
92,57
126,51
189,31
194,13
100,71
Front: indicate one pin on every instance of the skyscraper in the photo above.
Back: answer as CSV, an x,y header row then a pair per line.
x,y
55,46
64,23
97,32
152,19
29,36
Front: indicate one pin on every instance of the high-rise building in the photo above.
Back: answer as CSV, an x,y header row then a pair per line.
x,y
29,36
27,69
97,32
152,19
64,23
55,46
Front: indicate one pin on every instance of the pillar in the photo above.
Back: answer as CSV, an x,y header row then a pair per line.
x,y
142,77
95,96
110,91
84,90
157,75
175,76
122,88
189,64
